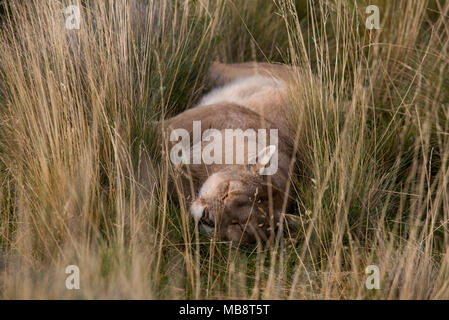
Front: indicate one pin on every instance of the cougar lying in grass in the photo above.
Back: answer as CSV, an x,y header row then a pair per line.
x,y
238,201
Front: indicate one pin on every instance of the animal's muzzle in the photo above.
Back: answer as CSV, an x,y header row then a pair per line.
x,y
206,218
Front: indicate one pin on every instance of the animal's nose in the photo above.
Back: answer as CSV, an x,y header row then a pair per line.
x,y
206,218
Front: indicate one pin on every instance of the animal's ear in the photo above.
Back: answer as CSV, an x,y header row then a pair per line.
x,y
262,159
265,155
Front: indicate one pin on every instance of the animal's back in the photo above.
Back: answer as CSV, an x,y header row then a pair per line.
x,y
259,87
261,94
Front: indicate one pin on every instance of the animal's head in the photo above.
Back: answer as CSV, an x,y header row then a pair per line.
x,y
234,203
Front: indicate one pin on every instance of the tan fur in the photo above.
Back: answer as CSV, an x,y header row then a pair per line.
x,y
234,200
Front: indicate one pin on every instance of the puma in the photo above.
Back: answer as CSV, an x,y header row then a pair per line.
x,y
235,201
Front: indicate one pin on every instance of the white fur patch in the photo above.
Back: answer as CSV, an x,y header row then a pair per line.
x,y
241,90
210,185
207,190
197,211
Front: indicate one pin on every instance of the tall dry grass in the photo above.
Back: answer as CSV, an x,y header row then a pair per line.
x,y
84,182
